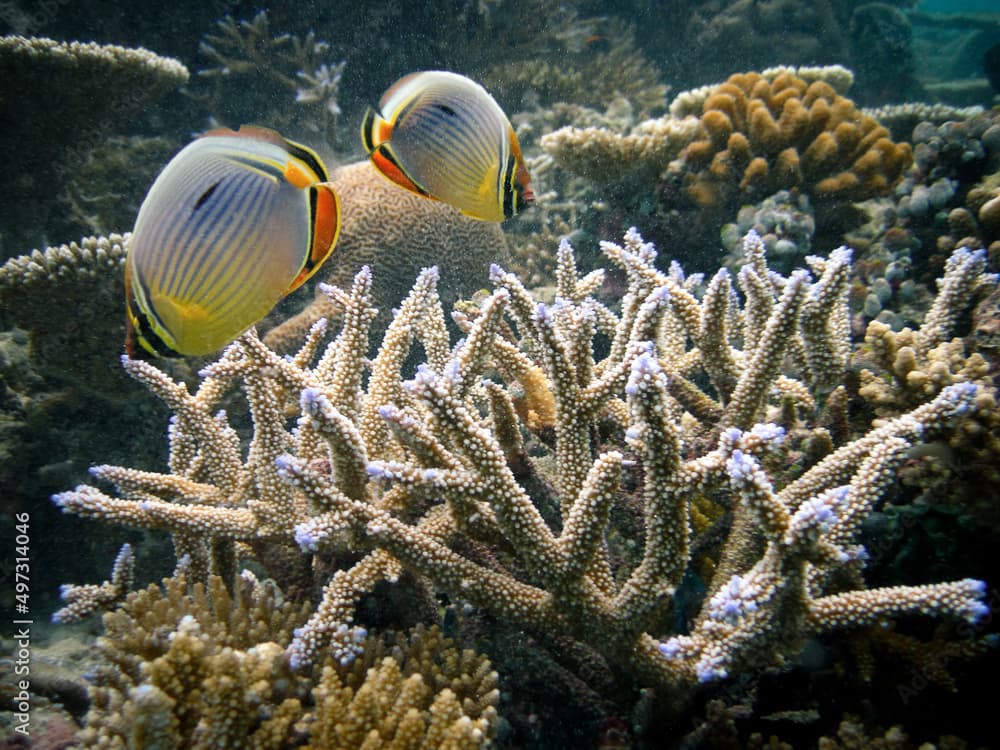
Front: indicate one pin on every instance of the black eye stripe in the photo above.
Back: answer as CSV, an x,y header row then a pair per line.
x,y
508,187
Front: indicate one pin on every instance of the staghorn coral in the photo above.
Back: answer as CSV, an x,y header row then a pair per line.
x,y
907,367
396,233
288,76
203,668
898,369
766,135
428,474
49,108
83,601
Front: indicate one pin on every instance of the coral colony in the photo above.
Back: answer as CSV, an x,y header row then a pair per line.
x,y
403,471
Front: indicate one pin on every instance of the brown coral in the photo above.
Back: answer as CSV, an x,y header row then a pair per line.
x,y
763,135
203,668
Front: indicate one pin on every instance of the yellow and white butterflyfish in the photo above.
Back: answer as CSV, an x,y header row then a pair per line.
x,y
233,223
443,136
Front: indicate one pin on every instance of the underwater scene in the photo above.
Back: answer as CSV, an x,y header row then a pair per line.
x,y
509,374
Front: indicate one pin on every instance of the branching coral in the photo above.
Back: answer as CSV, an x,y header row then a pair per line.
x,y
428,474
280,67
83,601
206,669
908,367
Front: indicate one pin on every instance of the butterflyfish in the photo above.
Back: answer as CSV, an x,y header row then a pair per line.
x,y
232,224
443,136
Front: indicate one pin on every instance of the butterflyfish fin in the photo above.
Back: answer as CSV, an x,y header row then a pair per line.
x,y
297,176
302,153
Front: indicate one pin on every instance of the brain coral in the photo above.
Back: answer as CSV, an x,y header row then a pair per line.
x,y
397,233
764,135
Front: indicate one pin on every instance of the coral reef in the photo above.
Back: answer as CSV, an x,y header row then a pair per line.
x,y
429,474
67,298
881,40
911,366
666,505
45,77
734,144
785,224
934,210
83,601
604,156
105,191
755,34
902,118
601,62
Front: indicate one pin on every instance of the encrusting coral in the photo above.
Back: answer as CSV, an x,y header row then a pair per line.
x,y
428,474
205,668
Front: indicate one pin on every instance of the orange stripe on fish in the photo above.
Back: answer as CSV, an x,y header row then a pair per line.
x,y
386,163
